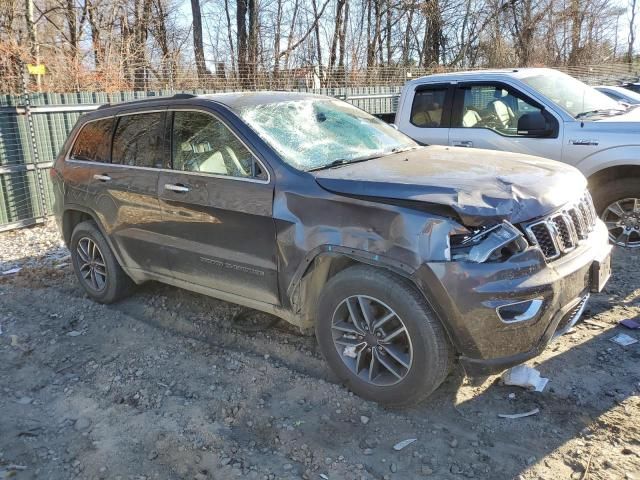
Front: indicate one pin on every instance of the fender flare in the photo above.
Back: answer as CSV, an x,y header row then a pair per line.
x,y
355,254
96,220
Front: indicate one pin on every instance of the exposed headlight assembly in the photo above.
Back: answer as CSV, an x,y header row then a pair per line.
x,y
488,244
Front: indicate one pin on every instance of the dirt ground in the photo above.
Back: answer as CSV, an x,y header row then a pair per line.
x,y
167,385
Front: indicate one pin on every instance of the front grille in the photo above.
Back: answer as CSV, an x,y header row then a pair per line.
x,y
544,239
562,231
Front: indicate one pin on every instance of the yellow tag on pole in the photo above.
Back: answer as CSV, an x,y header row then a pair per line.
x,y
36,69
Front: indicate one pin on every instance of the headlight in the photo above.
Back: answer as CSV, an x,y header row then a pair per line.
x,y
493,244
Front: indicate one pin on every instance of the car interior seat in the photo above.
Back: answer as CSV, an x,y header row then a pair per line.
x,y
426,112
220,159
470,118
500,110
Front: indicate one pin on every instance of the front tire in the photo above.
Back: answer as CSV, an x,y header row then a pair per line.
x,y
380,337
95,265
618,204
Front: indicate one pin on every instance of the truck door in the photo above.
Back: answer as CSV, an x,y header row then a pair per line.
x,y
486,114
430,114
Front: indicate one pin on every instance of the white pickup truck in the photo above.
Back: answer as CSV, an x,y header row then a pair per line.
x,y
541,112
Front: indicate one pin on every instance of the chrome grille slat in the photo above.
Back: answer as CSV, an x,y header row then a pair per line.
x,y
562,231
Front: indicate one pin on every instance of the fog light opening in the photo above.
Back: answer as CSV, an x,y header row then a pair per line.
x,y
520,311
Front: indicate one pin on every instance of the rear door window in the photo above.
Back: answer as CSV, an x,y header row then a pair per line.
x,y
428,108
139,140
93,141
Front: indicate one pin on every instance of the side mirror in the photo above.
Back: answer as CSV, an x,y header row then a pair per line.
x,y
534,124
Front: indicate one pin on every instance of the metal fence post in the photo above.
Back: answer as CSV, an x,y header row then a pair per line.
x,y
33,147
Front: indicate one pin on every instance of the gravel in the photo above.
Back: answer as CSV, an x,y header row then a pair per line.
x,y
165,385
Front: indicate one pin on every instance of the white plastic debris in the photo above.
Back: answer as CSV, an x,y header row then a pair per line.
x,y
404,443
623,339
11,271
526,377
513,416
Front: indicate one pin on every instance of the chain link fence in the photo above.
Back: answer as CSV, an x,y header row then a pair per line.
x,y
37,113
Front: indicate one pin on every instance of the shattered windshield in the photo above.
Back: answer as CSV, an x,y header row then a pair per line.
x,y
574,96
317,133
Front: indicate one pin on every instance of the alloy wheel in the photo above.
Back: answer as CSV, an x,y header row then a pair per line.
x,y
622,219
93,269
372,340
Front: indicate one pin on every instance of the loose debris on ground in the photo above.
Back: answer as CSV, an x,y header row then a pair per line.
x,y
168,384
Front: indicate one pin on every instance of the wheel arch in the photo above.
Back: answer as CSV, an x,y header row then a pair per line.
x,y
605,175
74,215
325,262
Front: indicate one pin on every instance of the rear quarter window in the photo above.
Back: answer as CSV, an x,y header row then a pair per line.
x,y
93,142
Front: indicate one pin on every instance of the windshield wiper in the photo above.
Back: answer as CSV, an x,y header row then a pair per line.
x,y
602,111
345,161
406,149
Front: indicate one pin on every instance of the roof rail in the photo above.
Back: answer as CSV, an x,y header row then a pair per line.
x,y
177,96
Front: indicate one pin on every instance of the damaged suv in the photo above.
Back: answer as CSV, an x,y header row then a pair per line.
x,y
403,258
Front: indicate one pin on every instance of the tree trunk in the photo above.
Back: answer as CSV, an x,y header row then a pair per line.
x,y
241,21
632,30
198,47
407,38
162,39
318,46
32,34
576,28
252,52
96,41
72,25
142,10
289,49
388,36
432,34
276,43
229,35
343,36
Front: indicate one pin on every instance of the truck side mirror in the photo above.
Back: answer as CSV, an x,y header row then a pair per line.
x,y
534,124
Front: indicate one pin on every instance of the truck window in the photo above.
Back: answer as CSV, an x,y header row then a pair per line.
x,y
427,108
493,107
93,142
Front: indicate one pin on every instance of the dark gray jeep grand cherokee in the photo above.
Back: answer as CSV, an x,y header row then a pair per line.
x,y
403,258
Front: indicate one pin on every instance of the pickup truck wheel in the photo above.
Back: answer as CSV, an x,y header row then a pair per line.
x,y
95,265
619,205
380,337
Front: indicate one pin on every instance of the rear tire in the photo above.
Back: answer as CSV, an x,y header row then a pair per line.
x,y
409,365
95,265
618,204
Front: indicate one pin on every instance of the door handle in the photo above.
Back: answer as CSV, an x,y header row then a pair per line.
x,y
176,188
102,178
462,143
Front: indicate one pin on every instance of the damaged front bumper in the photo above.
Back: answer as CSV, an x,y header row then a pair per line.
x,y
503,313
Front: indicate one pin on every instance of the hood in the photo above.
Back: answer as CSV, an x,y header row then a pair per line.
x,y
481,186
